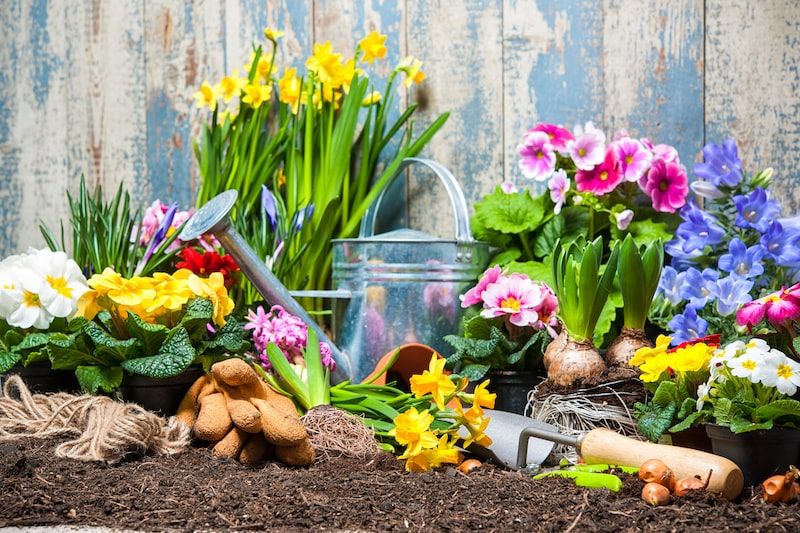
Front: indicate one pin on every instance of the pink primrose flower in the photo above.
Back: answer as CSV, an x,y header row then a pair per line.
x,y
589,147
475,294
537,157
559,187
516,298
601,179
634,158
667,186
559,135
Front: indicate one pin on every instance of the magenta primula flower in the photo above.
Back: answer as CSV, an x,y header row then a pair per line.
x,y
508,187
537,157
601,179
666,153
559,135
515,297
589,147
778,308
634,158
559,187
667,186
474,295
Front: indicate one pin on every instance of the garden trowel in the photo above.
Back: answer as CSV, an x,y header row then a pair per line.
x,y
519,442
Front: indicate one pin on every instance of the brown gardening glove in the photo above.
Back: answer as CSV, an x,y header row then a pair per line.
x,y
245,417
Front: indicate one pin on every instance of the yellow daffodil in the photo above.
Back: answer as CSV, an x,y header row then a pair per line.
x,y
206,96
433,381
272,34
226,115
412,429
411,67
645,353
213,289
476,425
265,68
373,46
290,89
324,63
230,86
484,398
372,98
346,74
444,452
256,94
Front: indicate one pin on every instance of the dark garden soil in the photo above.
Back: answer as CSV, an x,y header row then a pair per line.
x,y
192,491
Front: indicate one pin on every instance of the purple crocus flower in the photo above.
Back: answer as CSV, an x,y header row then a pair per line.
x,y
301,216
670,284
741,260
698,287
721,164
730,293
780,245
269,206
755,210
158,237
687,326
698,230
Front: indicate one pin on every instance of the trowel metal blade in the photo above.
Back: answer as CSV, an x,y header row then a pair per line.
x,y
504,429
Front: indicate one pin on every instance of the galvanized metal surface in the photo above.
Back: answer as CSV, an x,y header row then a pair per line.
x,y
105,87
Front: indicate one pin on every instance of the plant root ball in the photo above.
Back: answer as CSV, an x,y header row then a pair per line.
x,y
577,360
624,346
336,433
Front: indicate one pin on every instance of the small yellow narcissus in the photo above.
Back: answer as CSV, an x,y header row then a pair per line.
x,y
256,94
206,96
373,46
433,381
272,34
412,429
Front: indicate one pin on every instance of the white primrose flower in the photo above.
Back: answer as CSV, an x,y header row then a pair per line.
x,y
780,372
26,308
748,365
61,281
703,395
731,350
759,344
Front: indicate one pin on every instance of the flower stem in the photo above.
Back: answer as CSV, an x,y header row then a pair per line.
x,y
527,246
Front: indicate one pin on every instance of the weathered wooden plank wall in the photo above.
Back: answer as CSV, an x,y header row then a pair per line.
x,y
104,87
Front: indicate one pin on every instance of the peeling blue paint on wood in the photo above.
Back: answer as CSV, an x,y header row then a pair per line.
x,y
168,163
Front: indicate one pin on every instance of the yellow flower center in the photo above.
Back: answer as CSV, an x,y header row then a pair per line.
x,y
581,152
30,299
785,371
59,284
772,298
749,364
628,159
539,155
208,94
603,176
510,303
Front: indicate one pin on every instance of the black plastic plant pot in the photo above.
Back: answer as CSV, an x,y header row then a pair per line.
x,y
42,379
162,396
512,388
695,437
759,454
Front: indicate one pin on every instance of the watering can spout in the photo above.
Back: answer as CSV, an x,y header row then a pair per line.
x,y
214,218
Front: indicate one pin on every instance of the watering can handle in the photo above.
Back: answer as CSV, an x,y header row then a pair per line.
x,y
457,201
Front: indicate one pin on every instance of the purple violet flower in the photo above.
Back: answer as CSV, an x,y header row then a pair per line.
x,y
756,210
730,293
687,326
698,287
721,164
742,261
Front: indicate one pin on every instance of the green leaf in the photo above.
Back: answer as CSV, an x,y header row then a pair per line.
x,y
152,336
536,270
482,233
688,407
645,232
229,339
291,380
548,237
32,341
67,352
478,327
742,425
474,372
509,213
107,347
778,409
175,356
692,419
475,349
95,378
666,394
197,316
505,257
8,360
653,419
515,357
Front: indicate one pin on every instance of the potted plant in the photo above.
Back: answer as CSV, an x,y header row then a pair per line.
x,y
504,335
672,376
148,337
750,414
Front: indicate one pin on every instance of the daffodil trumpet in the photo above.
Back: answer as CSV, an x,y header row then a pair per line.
x,y
582,286
638,274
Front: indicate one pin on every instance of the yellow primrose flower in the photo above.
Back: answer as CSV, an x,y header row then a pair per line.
x,y
444,452
206,96
105,281
654,367
171,294
374,47
87,306
644,353
411,66
373,98
230,86
213,289
290,89
433,381
324,63
691,358
272,34
256,94
412,429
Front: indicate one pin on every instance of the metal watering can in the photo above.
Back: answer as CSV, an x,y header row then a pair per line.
x,y
390,289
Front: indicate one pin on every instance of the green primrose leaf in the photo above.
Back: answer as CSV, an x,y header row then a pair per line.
x,y
548,236
692,419
229,339
96,378
32,341
197,316
510,213
8,360
645,232
152,336
175,356
475,371
778,409
536,270
653,419
108,347
67,352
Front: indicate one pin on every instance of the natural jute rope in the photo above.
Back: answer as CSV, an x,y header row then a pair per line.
x,y
104,429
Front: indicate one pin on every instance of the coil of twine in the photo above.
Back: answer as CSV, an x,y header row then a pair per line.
x,y
103,429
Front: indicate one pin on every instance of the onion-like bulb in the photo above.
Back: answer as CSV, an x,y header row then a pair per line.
x,y
655,471
655,494
692,483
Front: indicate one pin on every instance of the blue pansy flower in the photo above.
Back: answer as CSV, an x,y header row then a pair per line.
x,y
755,210
687,326
698,286
670,284
721,164
730,293
780,245
741,260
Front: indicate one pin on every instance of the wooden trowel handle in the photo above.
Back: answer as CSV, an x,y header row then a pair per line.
x,y
603,446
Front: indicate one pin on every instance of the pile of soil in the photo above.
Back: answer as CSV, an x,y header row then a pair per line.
x,y
193,491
